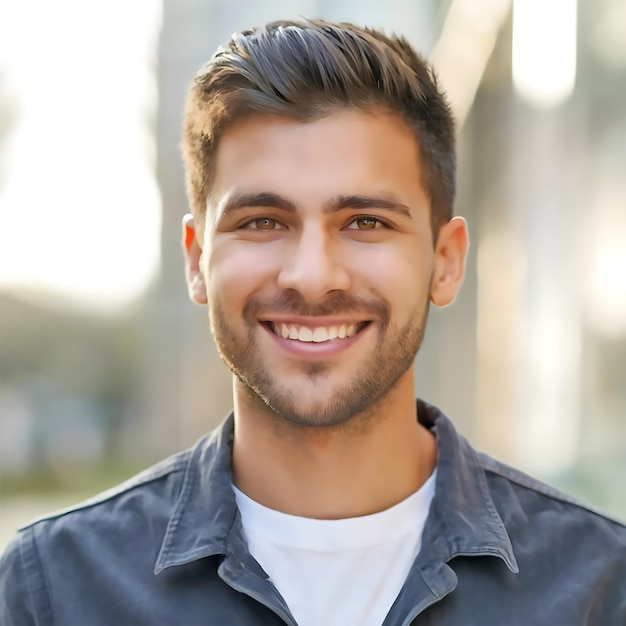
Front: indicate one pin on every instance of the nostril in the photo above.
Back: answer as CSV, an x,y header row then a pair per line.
x,y
314,276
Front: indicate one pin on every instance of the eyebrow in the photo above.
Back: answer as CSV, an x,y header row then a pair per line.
x,y
260,199
276,201
359,202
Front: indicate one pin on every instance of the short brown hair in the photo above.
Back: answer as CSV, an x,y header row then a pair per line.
x,y
305,70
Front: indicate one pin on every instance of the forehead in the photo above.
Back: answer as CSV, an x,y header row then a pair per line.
x,y
343,153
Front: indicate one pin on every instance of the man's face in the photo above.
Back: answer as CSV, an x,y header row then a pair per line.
x,y
317,261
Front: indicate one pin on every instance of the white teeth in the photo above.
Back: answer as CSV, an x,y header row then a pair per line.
x,y
319,335
316,335
305,334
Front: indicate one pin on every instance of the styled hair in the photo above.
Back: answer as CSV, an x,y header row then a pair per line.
x,y
305,70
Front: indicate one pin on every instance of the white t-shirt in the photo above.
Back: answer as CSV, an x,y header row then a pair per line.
x,y
338,572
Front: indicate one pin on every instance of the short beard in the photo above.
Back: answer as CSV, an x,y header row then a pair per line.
x,y
371,384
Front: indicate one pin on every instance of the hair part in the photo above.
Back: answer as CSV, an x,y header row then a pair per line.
x,y
305,70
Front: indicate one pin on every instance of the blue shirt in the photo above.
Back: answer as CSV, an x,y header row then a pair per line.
x,y
167,547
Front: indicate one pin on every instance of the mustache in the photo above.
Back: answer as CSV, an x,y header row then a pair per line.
x,y
292,303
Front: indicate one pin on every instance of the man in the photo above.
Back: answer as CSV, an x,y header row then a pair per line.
x,y
320,167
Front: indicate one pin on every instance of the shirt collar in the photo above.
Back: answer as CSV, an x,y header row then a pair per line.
x,y
205,513
463,519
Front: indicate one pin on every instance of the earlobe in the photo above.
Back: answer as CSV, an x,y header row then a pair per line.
x,y
193,256
450,257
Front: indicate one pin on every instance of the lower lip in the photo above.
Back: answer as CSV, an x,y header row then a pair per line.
x,y
316,351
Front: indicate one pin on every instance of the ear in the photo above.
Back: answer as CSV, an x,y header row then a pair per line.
x,y
450,256
193,256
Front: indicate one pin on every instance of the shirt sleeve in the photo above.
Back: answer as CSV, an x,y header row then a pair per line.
x,y
16,596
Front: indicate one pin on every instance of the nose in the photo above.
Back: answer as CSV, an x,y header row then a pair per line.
x,y
314,265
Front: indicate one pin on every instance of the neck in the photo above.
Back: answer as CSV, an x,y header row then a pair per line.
x,y
356,469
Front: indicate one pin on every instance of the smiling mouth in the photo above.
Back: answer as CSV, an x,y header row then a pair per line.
x,y
318,334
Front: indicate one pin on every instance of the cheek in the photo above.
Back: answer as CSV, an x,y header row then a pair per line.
x,y
236,269
400,273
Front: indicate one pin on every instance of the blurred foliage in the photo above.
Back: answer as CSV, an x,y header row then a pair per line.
x,y
79,482
67,371
599,481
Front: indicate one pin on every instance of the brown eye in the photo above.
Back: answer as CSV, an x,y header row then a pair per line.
x,y
365,223
263,223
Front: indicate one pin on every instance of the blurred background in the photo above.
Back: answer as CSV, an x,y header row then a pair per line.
x,y
105,366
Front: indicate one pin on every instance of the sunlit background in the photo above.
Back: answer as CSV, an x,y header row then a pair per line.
x,y
106,367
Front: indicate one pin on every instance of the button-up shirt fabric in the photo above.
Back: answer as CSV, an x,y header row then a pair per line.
x,y
167,547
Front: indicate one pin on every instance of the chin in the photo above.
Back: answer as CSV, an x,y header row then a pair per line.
x,y
308,411
315,418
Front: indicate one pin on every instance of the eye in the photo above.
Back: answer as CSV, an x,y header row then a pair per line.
x,y
365,223
262,223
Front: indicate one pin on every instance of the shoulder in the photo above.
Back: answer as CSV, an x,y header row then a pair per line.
x,y
151,490
525,503
116,511
519,498
568,552
130,516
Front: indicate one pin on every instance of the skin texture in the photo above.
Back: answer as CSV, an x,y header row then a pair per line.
x,y
322,224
